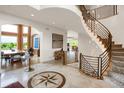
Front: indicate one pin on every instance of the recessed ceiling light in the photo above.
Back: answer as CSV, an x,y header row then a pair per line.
x,y
32,14
53,22
98,5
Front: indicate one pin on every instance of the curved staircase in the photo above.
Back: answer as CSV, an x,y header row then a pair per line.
x,y
111,60
91,65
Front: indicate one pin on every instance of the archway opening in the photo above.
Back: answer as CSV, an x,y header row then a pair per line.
x,y
16,39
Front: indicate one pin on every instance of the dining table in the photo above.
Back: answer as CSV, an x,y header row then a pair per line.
x,y
12,54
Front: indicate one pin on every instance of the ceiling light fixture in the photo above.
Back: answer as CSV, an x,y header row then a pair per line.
x,y
32,14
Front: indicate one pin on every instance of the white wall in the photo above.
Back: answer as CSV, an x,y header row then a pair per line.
x,y
116,25
46,50
90,7
87,46
46,43
35,31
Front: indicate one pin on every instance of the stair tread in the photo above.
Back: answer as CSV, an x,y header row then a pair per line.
x,y
118,76
116,79
114,84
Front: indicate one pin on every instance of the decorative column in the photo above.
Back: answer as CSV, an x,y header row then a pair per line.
x,y
29,37
20,37
64,57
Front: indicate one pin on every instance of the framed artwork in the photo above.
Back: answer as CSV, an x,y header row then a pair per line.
x,y
57,41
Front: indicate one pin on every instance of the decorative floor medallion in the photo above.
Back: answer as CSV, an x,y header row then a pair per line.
x,y
47,79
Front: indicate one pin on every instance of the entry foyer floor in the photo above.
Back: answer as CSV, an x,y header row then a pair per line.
x,y
74,78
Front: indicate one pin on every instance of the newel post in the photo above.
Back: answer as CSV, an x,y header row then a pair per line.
x,y
64,58
99,68
80,64
76,56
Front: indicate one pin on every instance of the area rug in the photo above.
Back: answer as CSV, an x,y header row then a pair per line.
x,y
15,85
47,79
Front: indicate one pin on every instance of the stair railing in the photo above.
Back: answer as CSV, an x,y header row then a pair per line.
x,y
102,11
97,65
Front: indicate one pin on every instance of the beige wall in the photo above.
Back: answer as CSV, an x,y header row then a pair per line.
x,y
87,46
46,43
116,25
46,50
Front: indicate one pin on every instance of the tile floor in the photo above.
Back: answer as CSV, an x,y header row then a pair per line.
x,y
74,79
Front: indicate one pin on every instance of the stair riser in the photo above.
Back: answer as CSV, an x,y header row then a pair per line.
x,y
118,54
117,59
118,50
118,46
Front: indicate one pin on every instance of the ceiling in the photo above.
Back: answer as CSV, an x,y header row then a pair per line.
x,y
72,34
58,17
90,7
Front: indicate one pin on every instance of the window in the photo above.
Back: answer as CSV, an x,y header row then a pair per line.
x,y
36,42
9,28
8,42
11,35
25,30
25,43
8,37
25,37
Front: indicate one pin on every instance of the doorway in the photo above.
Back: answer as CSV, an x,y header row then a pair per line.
x,y
72,47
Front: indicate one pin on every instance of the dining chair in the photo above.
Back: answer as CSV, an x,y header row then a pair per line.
x,y
2,57
15,58
6,59
25,57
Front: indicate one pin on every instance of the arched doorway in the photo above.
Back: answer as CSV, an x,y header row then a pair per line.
x,y
15,41
36,44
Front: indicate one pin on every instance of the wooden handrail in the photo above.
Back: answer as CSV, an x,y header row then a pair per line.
x,y
104,35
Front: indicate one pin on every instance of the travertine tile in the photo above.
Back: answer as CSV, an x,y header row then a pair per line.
x,y
74,79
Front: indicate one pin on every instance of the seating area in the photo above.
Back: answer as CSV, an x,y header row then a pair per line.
x,y
58,54
11,57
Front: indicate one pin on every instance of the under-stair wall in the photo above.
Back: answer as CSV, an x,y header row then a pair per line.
x,y
116,25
